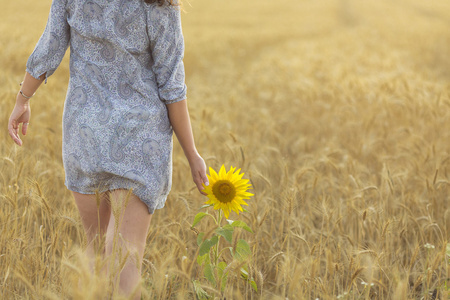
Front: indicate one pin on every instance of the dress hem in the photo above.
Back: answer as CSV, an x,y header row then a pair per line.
x,y
151,208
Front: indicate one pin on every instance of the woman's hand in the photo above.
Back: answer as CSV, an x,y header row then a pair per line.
x,y
198,170
20,114
181,124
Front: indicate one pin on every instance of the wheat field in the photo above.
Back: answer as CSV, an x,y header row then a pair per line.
x,y
337,111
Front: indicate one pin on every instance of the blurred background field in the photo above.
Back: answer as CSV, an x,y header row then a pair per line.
x,y
338,112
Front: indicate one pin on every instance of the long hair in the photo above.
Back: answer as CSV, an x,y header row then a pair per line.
x,y
164,2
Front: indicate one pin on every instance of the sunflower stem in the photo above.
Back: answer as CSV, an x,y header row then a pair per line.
x,y
220,217
217,254
217,245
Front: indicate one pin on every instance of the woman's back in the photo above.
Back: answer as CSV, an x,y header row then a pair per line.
x,y
110,47
112,43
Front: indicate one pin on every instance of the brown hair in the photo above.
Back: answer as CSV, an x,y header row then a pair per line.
x,y
164,2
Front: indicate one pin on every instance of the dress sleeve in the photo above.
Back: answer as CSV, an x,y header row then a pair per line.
x,y
52,45
167,49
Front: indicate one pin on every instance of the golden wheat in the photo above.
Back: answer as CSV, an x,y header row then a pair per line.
x,y
338,112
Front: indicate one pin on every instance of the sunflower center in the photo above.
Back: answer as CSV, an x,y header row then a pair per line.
x,y
224,191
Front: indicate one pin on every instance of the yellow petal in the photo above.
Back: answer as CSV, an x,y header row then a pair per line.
x,y
236,179
213,173
242,181
230,173
240,200
240,176
226,212
237,208
207,189
222,172
209,177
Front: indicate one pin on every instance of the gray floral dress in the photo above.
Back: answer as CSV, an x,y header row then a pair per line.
x,y
126,64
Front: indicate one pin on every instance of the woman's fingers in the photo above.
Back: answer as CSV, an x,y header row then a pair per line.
x,y
198,169
198,181
13,132
205,178
200,187
20,114
24,128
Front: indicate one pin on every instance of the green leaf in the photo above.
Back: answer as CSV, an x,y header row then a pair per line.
x,y
241,224
222,277
244,209
201,293
448,252
226,232
200,238
245,276
244,273
201,259
206,205
222,265
209,273
242,250
198,217
207,244
228,227
254,286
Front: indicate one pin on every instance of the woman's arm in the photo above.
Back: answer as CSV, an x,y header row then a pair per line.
x,y
167,49
22,110
31,84
42,63
181,124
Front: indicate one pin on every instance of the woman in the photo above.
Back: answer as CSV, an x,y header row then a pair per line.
x,y
126,95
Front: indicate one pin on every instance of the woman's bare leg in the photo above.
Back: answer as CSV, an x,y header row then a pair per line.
x,y
94,219
131,223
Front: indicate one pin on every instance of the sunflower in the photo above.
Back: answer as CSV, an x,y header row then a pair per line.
x,y
227,190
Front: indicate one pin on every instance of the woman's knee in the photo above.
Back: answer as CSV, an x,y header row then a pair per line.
x,y
127,245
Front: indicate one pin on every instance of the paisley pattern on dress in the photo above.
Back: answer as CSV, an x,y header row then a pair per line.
x,y
106,109
92,11
108,53
79,95
89,140
95,73
124,88
153,151
124,21
126,130
73,162
126,65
